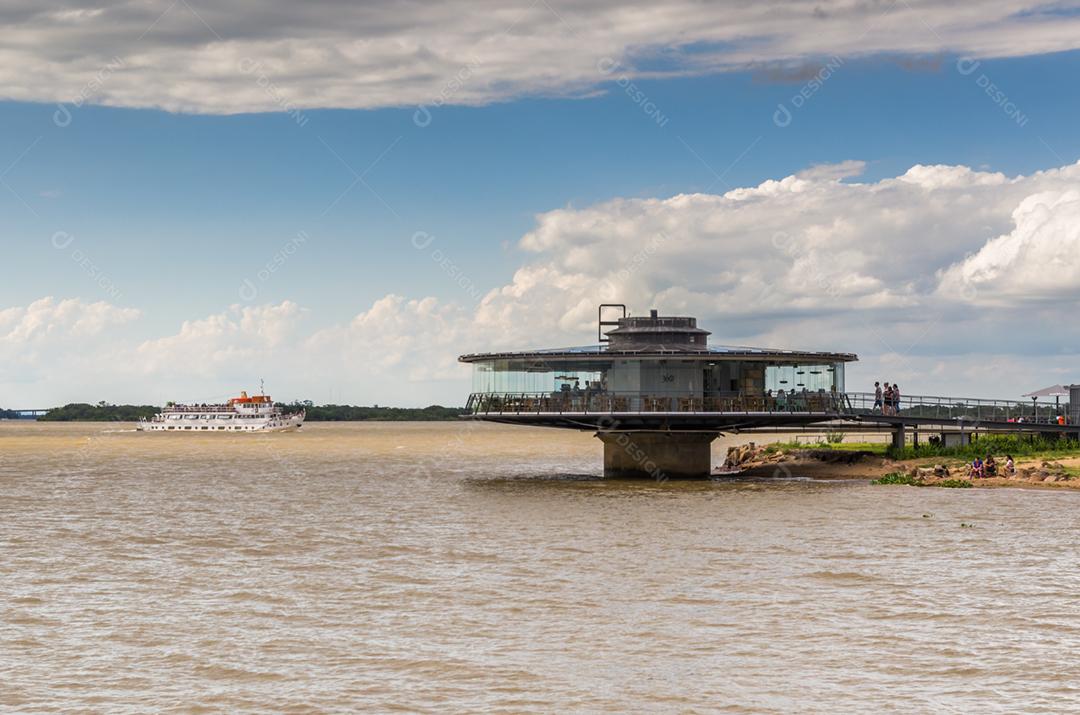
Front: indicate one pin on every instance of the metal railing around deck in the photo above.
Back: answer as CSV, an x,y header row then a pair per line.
x,y
483,403
840,405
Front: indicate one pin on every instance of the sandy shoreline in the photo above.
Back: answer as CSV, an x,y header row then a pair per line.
x,y
821,464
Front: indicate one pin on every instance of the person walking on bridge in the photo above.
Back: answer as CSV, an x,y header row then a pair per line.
x,y
878,404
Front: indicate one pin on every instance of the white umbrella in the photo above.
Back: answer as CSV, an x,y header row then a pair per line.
x,y
1052,391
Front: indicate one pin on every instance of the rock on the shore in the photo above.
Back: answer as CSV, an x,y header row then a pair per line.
x,y
737,456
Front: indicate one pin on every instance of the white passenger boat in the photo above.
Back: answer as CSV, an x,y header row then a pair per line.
x,y
240,414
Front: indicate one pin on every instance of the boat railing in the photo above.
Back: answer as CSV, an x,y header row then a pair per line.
x,y
197,408
185,409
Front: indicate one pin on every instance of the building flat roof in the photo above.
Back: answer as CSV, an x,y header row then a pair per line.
x,y
702,353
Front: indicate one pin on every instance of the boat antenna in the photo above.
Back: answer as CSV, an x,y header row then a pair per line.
x,y
262,390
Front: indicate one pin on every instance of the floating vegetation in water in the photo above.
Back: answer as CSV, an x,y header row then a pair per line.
x,y
913,481
951,484
898,478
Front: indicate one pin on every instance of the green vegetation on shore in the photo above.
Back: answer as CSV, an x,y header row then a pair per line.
x,y
101,412
104,412
908,480
981,445
354,413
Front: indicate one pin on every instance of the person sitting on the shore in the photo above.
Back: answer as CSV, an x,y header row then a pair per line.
x,y
977,469
1010,466
990,466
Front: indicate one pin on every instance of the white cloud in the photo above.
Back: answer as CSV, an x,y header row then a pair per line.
x,y
900,270
227,343
52,346
805,245
1038,259
229,56
49,320
399,339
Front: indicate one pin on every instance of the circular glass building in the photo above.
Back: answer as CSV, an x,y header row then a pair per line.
x,y
656,392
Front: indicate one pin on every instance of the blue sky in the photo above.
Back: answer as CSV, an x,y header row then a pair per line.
x,y
153,195
177,208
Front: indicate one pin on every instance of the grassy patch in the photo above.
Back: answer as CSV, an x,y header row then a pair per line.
x,y
1016,445
999,445
951,484
898,478
908,480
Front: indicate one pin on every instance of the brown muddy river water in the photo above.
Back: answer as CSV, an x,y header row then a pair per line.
x,y
437,568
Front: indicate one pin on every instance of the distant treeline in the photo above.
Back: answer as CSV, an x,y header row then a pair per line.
x,y
8,414
354,413
103,412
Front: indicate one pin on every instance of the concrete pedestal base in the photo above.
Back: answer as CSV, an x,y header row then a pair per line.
x,y
955,439
899,437
657,455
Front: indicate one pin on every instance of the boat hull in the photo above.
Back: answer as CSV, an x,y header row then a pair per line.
x,y
219,426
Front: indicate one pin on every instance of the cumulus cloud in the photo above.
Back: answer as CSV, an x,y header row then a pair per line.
x,y
226,343
56,345
899,270
409,340
50,320
1038,259
233,56
806,245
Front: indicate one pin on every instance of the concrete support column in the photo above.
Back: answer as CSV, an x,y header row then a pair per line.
x,y
657,455
898,437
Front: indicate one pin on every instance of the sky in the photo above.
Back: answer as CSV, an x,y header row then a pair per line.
x,y
341,199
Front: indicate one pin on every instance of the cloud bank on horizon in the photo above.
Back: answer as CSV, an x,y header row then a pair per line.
x,y
945,276
231,56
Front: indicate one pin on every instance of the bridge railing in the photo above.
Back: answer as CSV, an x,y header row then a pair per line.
x,y
968,409
840,405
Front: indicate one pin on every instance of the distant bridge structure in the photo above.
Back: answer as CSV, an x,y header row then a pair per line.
x,y
31,414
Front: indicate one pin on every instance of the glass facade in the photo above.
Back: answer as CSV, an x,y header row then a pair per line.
x,y
500,376
812,378
673,376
